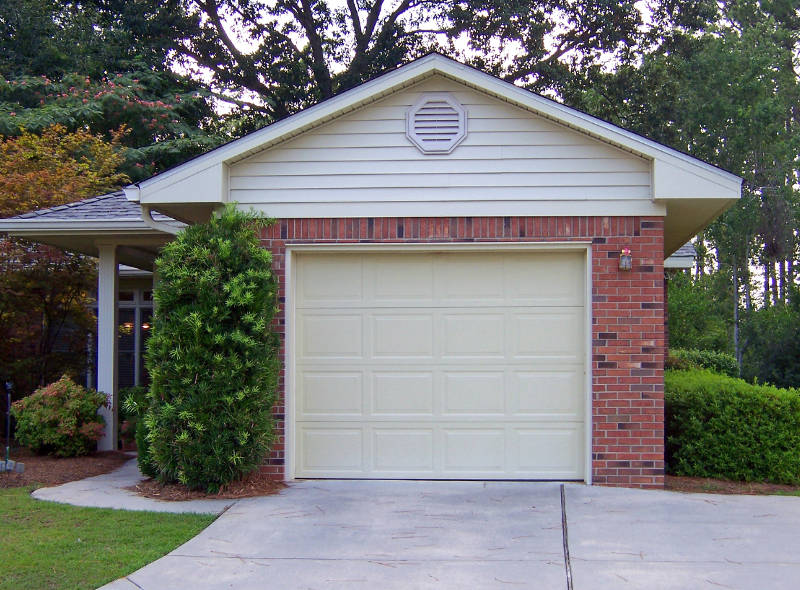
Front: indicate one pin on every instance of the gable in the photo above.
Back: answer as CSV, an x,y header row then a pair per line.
x,y
511,162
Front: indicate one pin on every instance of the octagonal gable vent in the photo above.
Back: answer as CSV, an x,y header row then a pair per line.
x,y
436,123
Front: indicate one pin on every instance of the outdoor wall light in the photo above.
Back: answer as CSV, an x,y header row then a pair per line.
x,y
625,259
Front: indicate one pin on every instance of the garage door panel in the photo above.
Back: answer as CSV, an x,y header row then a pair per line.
x,y
400,281
546,392
322,450
334,336
553,332
423,370
330,392
395,392
329,280
473,335
403,452
475,278
402,335
533,284
468,450
468,392
554,452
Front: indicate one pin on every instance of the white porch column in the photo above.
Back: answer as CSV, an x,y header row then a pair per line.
x,y
107,293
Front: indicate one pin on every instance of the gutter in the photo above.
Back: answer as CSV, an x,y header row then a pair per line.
x,y
147,217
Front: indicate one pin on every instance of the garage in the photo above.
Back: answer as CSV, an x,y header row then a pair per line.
x,y
459,363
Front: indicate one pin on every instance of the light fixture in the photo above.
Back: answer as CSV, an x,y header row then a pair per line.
x,y
625,259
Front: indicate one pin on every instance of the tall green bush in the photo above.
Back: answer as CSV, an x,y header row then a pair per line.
x,y
718,426
60,419
212,357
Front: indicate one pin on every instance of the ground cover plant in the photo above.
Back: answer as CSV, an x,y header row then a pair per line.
x,y
212,357
721,427
47,546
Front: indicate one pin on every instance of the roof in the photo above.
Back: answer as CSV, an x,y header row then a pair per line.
x,y
686,250
84,225
682,258
109,207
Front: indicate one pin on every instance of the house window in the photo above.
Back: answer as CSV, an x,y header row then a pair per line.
x,y
134,325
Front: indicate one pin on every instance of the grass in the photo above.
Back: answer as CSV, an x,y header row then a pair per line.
x,y
47,545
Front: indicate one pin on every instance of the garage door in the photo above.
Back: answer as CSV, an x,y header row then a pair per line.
x,y
439,365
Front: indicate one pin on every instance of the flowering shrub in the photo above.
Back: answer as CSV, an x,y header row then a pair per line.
x,y
60,419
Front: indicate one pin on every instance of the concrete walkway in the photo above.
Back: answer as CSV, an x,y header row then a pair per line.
x,y
412,534
108,491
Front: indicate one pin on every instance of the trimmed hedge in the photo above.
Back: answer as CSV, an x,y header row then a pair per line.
x,y
719,362
718,426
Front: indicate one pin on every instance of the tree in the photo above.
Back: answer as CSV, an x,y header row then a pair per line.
x,y
43,291
697,316
102,65
275,58
718,81
212,358
56,167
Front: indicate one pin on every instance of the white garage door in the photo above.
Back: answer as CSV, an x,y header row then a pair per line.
x,y
439,365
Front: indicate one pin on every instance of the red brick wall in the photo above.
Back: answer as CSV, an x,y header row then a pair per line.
x,y
627,318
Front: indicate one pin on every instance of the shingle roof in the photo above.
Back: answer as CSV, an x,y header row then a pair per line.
x,y
686,250
112,206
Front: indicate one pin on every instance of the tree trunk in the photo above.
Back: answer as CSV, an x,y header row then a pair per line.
x,y
736,347
782,279
774,281
766,284
748,295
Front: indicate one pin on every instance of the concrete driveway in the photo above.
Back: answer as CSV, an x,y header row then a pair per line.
x,y
410,534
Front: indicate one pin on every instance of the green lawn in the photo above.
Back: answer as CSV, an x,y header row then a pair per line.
x,y
47,545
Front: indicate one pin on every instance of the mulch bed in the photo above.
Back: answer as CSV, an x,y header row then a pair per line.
x,y
254,484
52,471
703,485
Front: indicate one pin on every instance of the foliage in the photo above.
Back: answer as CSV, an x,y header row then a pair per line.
x,y
772,344
56,167
60,419
44,313
49,545
718,426
152,119
718,362
697,318
55,37
212,358
134,407
276,58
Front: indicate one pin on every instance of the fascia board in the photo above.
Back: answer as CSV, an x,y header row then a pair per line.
x,y
34,226
412,73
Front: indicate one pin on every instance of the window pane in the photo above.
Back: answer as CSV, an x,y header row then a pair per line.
x,y
126,347
146,329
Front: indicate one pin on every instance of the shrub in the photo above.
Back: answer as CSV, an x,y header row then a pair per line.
x,y
719,362
212,358
134,407
60,419
718,426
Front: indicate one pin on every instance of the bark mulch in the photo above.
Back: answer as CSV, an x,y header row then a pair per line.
x,y
42,470
254,484
703,485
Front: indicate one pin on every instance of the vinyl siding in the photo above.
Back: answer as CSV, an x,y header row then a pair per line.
x,y
509,155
